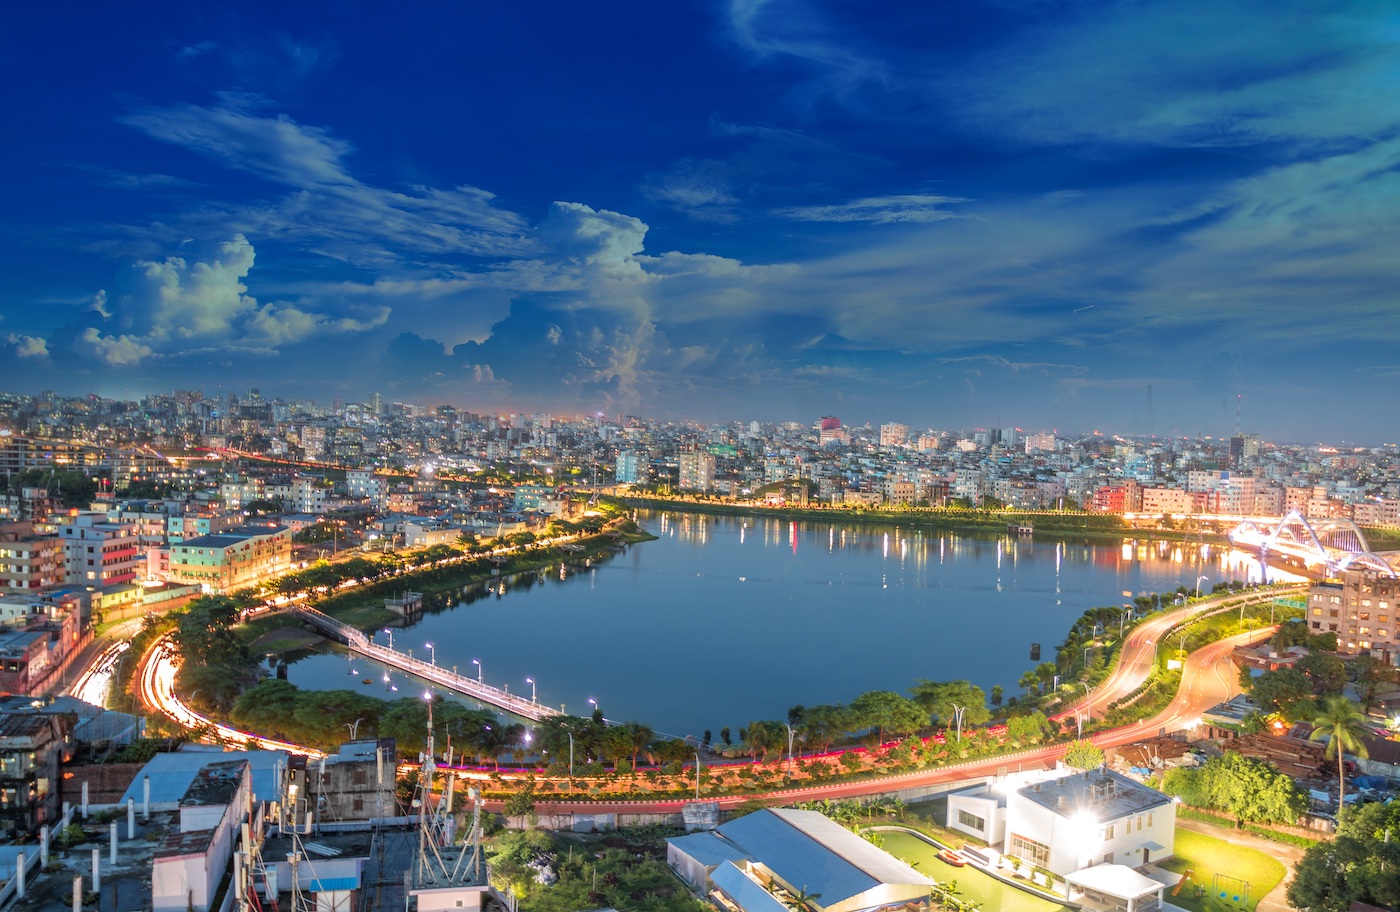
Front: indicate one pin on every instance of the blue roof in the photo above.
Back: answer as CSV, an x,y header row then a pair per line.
x,y
327,884
809,852
708,848
171,774
746,894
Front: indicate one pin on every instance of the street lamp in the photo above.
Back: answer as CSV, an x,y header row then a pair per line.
x,y
790,734
432,652
958,717
480,671
1198,584
595,705
391,637
1127,613
355,728
531,682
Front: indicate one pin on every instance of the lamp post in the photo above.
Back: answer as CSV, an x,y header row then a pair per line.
x,y
958,717
480,672
531,682
432,652
596,709
355,728
697,775
1198,584
391,637
1122,619
790,734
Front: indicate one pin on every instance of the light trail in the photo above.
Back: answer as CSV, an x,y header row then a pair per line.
x,y
95,683
157,690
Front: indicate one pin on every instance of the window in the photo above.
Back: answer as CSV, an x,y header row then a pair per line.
x,y
1108,832
1149,818
971,821
1037,853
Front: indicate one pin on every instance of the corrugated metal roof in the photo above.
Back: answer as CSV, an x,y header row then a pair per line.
x,y
708,848
745,893
812,853
327,884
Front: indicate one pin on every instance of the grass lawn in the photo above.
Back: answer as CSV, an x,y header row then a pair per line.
x,y
1207,856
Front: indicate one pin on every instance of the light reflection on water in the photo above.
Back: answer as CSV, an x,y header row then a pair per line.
x,y
724,620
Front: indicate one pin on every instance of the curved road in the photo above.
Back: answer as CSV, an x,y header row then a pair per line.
x,y
1208,678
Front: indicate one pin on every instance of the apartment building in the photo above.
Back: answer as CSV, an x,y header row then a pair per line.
x,y
230,560
1360,610
100,553
29,560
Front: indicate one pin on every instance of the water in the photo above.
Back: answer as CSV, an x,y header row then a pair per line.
x,y
972,885
724,620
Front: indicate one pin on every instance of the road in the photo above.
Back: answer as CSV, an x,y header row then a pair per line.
x,y
1208,678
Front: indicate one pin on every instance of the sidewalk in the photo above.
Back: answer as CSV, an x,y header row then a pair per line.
x,y
1290,855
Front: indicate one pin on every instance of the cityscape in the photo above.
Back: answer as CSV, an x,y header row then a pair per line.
x,y
731,456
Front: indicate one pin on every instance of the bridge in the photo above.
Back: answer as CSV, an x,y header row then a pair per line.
x,y
445,678
1328,546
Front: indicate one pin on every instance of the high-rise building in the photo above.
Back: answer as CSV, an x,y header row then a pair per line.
x,y
697,472
628,469
893,435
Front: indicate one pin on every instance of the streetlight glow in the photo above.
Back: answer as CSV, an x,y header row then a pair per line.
x,y
480,671
531,682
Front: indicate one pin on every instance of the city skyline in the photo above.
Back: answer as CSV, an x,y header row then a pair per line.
x,y
1138,218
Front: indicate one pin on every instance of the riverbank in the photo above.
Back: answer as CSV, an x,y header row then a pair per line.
x,y
1067,525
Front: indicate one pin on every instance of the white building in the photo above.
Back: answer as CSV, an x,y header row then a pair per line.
x,y
1071,822
697,471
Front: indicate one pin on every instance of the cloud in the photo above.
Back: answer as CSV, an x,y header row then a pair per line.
x,y
1189,72
191,51
698,187
880,210
116,351
28,346
793,30
351,220
192,306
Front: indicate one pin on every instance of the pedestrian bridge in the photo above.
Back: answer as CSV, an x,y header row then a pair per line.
x,y
1329,545
441,677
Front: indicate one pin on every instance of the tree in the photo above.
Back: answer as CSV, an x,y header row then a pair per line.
x,y
1252,790
939,697
998,696
521,803
724,735
1326,673
885,710
1342,725
1083,755
1286,691
823,725
1029,728
1029,682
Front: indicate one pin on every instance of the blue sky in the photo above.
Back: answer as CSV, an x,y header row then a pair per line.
x,y
1020,212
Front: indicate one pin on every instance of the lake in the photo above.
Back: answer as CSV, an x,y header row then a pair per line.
x,y
724,620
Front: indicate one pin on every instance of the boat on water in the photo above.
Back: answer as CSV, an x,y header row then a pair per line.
x,y
950,856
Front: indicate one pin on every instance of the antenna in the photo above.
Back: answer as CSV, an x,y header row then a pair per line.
x,y
1148,428
1238,399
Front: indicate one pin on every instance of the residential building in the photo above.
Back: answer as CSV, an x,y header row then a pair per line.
x,y
697,472
229,560
100,553
1069,822
33,749
1360,609
628,468
29,561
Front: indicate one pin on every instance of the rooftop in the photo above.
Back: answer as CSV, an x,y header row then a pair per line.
x,y
1107,794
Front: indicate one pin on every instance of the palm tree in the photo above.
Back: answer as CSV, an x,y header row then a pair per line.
x,y
1342,725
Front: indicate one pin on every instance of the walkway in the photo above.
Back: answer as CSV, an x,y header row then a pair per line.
x,y
450,680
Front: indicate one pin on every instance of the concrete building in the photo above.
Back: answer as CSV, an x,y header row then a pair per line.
x,y
628,468
100,553
1360,609
697,472
756,861
191,862
1072,821
229,560
29,560
356,782
33,749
